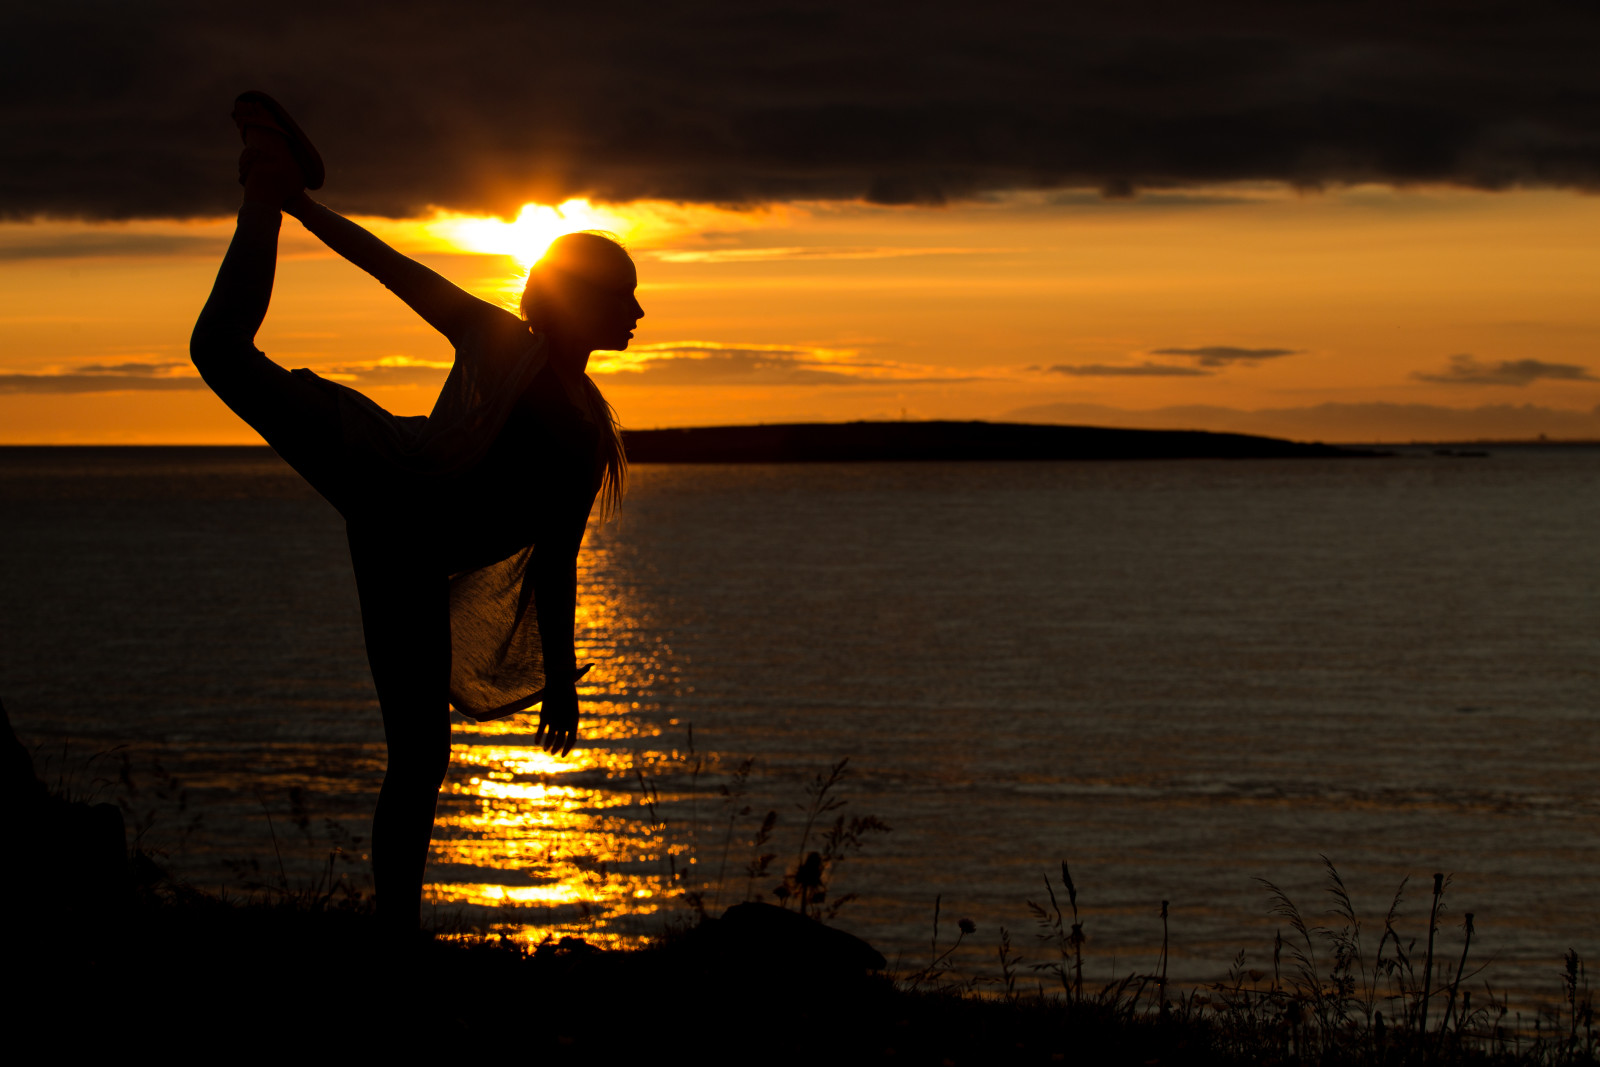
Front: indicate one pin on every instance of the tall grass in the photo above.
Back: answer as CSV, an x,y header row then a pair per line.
x,y
825,838
1330,997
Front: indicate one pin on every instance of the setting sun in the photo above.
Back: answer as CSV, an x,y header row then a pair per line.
x,y
526,237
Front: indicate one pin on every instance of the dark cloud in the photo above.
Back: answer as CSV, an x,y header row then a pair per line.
x,y
1223,355
116,109
1467,370
1138,370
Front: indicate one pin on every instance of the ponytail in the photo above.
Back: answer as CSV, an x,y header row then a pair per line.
x,y
611,461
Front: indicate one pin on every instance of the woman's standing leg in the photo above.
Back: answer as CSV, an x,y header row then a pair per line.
x,y
404,603
406,619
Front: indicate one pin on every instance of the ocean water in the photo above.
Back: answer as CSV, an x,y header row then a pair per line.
x,y
1179,677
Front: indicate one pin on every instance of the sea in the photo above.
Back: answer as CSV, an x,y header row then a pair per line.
x,y
1200,690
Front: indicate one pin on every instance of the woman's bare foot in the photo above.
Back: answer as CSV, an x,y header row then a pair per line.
x,y
279,161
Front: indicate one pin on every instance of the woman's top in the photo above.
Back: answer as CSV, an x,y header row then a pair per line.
x,y
505,460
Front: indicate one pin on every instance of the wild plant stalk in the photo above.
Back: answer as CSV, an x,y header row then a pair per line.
x,y
1400,964
1580,1004
1077,931
808,882
820,803
937,960
1303,953
1455,982
842,838
694,796
759,861
1427,970
283,874
1349,961
741,778
1161,979
1008,964
649,796
1053,927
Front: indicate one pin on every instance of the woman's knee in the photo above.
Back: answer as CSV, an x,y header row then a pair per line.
x,y
419,752
416,774
215,353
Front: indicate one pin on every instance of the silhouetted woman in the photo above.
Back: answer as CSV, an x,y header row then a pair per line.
x,y
464,525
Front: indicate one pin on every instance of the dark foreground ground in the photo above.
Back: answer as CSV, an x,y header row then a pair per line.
x,y
195,976
107,956
198,977
185,976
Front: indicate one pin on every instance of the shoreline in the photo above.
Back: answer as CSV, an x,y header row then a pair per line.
x,y
976,440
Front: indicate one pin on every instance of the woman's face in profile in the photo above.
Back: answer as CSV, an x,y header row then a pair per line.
x,y
595,306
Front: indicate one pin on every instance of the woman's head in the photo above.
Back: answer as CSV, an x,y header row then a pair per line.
x,y
581,296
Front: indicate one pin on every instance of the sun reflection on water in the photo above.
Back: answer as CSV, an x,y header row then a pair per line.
x,y
540,845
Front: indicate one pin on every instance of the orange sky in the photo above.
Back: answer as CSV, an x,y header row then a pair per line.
x,y
1358,314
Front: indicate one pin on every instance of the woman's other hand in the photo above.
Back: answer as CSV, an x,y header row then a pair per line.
x,y
558,719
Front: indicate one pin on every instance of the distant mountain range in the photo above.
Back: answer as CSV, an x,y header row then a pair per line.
x,y
810,442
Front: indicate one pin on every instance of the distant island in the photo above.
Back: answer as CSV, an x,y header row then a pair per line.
x,y
815,442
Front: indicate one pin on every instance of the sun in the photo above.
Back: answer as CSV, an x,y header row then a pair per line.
x,y
526,237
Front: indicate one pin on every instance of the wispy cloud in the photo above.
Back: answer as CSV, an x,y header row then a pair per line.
x,y
713,363
764,255
1223,355
1466,369
390,371
106,378
1128,370
25,243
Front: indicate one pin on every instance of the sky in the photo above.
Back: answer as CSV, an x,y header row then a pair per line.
x,y
1325,221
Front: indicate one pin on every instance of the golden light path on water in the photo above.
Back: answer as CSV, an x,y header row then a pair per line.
x,y
541,845
538,845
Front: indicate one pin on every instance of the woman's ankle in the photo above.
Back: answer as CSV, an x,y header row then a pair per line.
x,y
257,213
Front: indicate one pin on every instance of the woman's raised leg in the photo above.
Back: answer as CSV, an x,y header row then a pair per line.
x,y
405,617
298,419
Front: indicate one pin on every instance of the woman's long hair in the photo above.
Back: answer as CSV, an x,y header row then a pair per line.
x,y
611,461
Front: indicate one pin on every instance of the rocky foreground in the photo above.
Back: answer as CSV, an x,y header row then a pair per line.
x,y
108,957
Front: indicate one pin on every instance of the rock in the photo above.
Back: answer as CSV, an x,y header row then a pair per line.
x,y
763,936
62,856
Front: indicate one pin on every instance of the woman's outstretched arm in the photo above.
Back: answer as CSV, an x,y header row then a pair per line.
x,y
442,304
555,597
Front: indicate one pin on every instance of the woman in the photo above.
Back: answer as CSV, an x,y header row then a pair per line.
x,y
464,526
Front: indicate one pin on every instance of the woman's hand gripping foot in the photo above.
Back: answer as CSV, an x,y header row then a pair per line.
x,y
272,167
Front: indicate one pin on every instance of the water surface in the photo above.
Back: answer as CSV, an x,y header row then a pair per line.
x,y
1179,676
